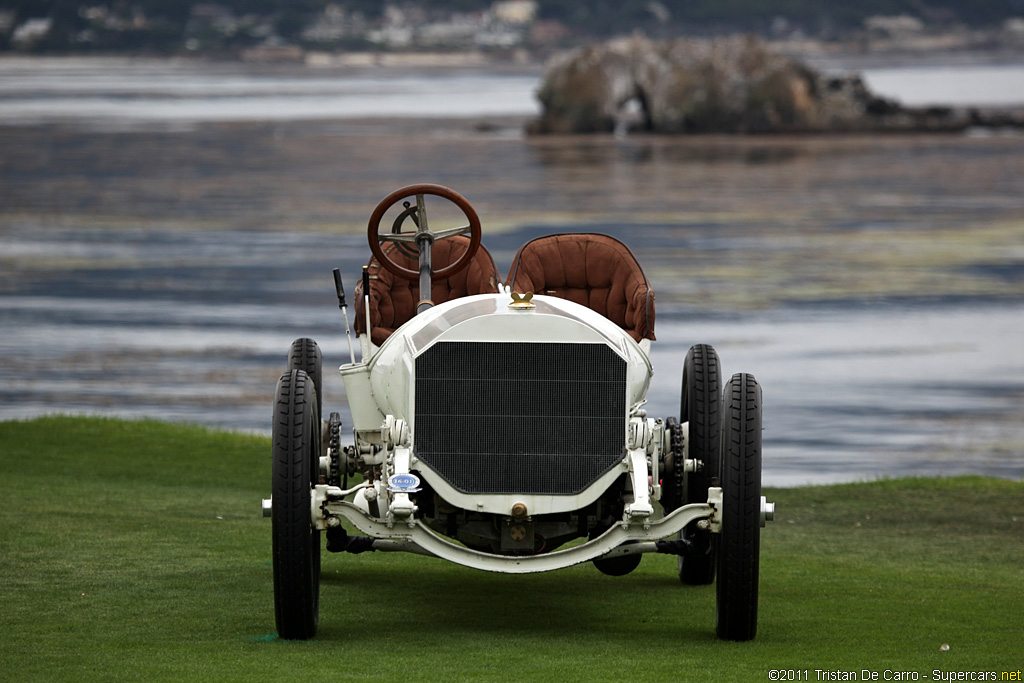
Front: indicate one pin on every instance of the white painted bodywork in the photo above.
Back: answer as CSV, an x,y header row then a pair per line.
x,y
387,379
381,396
385,385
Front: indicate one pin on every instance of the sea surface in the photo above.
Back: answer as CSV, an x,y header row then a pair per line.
x,y
115,92
171,93
166,232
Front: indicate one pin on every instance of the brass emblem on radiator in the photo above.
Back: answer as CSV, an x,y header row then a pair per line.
x,y
522,301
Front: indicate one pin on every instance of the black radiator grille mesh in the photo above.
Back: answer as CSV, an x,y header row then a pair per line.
x,y
516,417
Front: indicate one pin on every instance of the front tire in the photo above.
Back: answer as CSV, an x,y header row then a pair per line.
x,y
701,407
305,355
296,543
739,541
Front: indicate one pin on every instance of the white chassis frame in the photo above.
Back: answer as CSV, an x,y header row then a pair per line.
x,y
625,538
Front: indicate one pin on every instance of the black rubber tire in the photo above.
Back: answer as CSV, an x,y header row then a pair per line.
x,y
305,355
739,542
701,406
296,544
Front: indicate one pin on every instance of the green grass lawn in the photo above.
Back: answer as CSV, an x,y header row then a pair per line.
x,y
136,551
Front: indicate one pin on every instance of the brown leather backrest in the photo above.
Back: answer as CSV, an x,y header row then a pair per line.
x,y
594,270
393,299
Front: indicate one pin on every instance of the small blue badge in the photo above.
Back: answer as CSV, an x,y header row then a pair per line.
x,y
403,483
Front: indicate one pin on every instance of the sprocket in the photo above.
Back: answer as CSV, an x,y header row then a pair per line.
x,y
673,484
334,432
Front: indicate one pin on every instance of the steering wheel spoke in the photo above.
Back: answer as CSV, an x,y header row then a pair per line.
x,y
407,241
452,232
403,237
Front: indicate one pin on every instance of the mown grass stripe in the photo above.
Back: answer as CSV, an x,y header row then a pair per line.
x,y
159,525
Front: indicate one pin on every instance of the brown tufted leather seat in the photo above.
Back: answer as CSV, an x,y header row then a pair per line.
x,y
594,270
393,299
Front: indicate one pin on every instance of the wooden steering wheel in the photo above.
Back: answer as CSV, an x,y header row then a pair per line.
x,y
413,240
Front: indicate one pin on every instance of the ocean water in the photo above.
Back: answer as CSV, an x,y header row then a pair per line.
x,y
999,85
111,92
851,393
129,288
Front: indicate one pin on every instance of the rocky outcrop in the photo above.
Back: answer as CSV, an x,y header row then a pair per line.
x,y
727,85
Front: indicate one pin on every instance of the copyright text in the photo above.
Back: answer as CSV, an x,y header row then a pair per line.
x,y
890,675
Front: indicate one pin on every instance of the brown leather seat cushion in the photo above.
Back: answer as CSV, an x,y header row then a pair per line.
x,y
594,270
393,299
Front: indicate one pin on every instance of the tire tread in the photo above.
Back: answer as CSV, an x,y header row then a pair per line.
x,y
296,547
740,478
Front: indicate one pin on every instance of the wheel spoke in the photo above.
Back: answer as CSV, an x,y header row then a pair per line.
x,y
404,237
452,232
421,213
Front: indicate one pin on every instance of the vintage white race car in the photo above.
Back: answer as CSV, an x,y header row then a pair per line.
x,y
501,426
